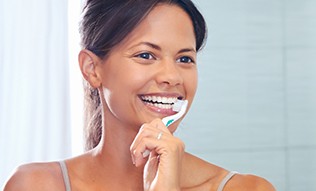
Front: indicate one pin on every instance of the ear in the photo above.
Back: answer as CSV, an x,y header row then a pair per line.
x,y
88,61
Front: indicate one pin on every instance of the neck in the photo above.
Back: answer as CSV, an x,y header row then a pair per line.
x,y
114,157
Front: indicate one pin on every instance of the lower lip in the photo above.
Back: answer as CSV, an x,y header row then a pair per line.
x,y
159,110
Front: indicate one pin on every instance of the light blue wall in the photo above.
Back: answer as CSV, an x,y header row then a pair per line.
x,y
255,109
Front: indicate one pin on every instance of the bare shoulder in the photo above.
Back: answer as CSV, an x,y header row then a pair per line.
x,y
198,174
244,182
36,176
202,175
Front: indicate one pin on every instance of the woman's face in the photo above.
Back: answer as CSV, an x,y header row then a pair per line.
x,y
151,68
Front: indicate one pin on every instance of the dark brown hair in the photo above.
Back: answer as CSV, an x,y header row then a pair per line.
x,y
105,23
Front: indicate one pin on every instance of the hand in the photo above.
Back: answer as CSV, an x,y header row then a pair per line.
x,y
163,165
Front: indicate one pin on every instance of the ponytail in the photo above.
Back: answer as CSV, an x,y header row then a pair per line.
x,y
93,117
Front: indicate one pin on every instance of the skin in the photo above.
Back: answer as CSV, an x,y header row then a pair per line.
x,y
147,62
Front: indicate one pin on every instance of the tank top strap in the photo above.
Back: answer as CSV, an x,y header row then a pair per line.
x,y
64,171
225,180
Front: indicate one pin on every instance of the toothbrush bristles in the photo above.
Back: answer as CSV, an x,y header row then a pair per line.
x,y
177,105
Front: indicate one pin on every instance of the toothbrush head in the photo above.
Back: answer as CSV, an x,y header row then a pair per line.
x,y
178,105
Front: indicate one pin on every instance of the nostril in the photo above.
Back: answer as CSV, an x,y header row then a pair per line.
x,y
171,79
169,73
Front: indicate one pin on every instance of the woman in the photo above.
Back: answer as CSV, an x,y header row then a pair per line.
x,y
138,58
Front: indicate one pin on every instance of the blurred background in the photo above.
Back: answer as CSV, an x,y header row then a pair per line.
x,y
254,112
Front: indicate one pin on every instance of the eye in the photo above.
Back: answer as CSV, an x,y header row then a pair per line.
x,y
185,59
145,55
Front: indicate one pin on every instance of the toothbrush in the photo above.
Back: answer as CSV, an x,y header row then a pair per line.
x,y
179,106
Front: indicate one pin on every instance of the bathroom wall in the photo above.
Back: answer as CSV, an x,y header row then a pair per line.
x,y
255,109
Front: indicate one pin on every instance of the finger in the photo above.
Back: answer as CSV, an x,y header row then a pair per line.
x,y
146,130
147,146
160,125
147,152
152,134
155,129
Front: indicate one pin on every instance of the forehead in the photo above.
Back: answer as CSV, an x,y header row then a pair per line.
x,y
165,24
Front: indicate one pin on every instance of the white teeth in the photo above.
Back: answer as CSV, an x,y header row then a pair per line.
x,y
161,106
160,101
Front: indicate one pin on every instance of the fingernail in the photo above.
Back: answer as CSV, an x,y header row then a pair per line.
x,y
146,153
133,157
133,160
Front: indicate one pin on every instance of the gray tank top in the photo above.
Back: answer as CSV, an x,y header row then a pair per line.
x,y
65,175
68,188
225,180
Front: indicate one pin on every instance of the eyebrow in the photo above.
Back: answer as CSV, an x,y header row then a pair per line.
x,y
154,46
187,50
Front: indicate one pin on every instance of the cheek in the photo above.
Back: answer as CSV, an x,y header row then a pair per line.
x,y
191,83
124,85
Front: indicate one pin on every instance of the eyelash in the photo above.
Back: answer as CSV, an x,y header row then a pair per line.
x,y
145,55
149,56
187,59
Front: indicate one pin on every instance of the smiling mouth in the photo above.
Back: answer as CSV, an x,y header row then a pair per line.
x,y
159,101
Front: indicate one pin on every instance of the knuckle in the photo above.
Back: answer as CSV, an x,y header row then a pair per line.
x,y
144,129
156,120
145,140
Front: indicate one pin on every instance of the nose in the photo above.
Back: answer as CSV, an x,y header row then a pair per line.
x,y
169,74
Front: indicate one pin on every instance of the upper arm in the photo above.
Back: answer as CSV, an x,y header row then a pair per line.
x,y
248,183
262,184
32,177
20,180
